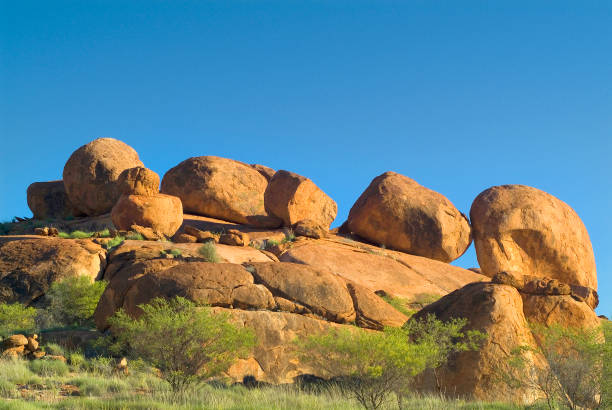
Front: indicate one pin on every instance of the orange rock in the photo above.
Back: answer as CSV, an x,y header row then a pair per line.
x,y
92,171
310,229
217,187
49,200
267,172
162,213
138,181
320,291
372,311
397,212
292,197
497,311
558,309
184,238
14,341
523,229
234,237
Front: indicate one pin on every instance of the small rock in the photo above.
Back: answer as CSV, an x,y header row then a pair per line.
x,y
14,341
13,352
235,238
38,354
184,238
53,231
201,236
41,231
147,233
32,344
310,229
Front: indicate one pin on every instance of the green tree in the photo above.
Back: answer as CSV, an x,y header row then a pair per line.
x,y
16,317
185,342
575,374
448,338
370,366
73,300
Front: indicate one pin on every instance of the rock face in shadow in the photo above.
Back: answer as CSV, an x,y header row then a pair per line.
x,y
28,267
91,174
217,187
520,228
497,311
49,200
397,212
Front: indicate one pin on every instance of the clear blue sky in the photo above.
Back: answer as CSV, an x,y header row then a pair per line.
x,y
459,96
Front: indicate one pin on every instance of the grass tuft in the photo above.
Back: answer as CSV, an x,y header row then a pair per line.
x,y
209,252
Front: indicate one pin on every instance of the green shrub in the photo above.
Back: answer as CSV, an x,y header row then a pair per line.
x,y
369,366
134,236
77,360
113,243
289,236
48,368
16,317
184,341
73,300
54,349
209,252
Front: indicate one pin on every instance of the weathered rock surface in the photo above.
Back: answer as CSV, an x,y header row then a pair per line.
x,y
520,228
162,213
234,237
320,291
496,310
49,200
217,187
395,273
29,266
310,229
558,310
92,171
372,311
397,212
292,197
267,172
138,181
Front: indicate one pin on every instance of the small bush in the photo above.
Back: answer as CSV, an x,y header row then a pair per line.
x,y
49,368
16,317
100,365
76,360
209,252
54,349
134,236
289,236
73,300
113,243
185,342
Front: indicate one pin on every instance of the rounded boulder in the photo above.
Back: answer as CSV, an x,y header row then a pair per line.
x,y
138,181
399,213
49,200
162,213
217,187
521,228
92,171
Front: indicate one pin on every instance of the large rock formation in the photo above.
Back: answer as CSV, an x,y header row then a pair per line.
x,y
138,181
292,198
397,212
497,311
520,228
49,200
162,213
395,273
91,173
28,267
217,187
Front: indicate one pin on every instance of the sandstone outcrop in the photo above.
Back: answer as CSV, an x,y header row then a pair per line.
x,y
161,213
496,310
92,171
520,228
217,187
49,200
29,266
395,273
292,198
397,212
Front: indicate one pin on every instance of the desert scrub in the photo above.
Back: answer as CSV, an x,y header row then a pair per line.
x,y
72,301
16,318
134,236
209,252
174,252
48,368
114,242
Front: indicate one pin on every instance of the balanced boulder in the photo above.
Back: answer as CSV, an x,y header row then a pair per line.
x,y
138,181
292,198
217,187
49,200
520,228
397,212
161,213
92,171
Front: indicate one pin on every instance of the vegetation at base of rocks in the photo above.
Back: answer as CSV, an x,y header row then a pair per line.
x,y
16,318
400,304
71,302
209,252
289,236
114,242
134,236
371,366
84,235
187,343
578,373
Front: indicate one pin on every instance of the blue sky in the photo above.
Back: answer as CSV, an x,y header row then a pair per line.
x,y
459,96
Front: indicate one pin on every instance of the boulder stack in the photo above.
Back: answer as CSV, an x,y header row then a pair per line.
x,y
92,171
141,205
397,212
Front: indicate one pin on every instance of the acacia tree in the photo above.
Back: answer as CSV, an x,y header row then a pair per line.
x,y
185,342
